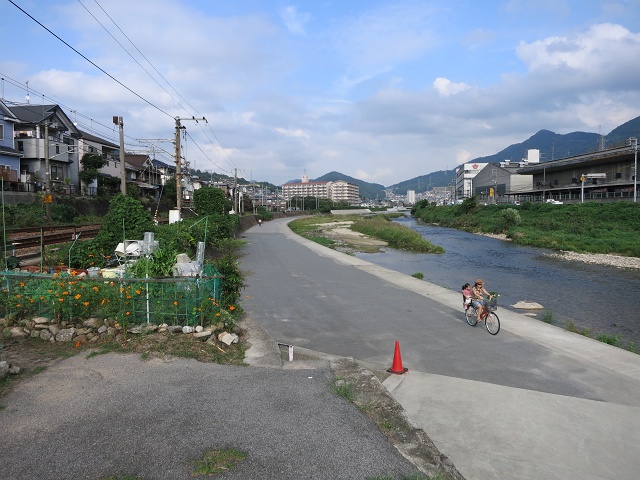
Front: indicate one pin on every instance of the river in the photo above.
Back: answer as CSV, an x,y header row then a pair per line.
x,y
598,299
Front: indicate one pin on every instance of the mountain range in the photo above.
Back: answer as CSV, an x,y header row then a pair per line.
x,y
552,146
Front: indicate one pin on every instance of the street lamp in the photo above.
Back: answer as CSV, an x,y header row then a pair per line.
x,y
634,143
584,177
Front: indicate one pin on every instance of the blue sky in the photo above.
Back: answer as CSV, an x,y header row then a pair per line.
x,y
383,91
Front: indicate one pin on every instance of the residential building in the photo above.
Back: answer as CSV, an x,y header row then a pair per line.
x,y
88,143
9,156
411,197
140,171
46,137
338,191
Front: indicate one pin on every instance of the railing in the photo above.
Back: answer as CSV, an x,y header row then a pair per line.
x,y
67,297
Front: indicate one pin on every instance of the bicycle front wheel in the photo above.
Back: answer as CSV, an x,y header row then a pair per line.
x,y
471,316
492,322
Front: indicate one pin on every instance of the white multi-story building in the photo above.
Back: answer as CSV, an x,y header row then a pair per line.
x,y
338,191
411,196
464,178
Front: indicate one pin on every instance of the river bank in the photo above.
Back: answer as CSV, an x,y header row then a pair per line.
x,y
607,259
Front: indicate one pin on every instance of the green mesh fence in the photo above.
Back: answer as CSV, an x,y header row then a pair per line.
x,y
174,301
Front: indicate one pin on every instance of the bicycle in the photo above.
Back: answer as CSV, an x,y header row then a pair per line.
x,y
489,316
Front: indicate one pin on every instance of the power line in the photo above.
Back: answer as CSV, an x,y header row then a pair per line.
x,y
91,62
127,52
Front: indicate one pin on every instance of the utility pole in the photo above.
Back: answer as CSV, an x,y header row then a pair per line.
x,y
235,188
179,159
123,170
47,176
634,143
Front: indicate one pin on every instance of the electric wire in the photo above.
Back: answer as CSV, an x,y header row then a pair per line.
x,y
91,62
128,53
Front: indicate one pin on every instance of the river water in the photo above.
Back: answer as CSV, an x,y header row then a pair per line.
x,y
599,298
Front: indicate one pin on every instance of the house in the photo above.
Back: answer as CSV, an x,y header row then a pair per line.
x,y
88,143
48,142
140,171
9,156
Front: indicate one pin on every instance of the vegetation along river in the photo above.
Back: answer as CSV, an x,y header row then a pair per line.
x,y
598,300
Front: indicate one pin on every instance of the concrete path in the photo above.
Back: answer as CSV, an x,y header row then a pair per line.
x,y
496,432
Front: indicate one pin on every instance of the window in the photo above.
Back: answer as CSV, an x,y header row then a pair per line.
x,y
57,172
57,148
20,146
618,175
1,132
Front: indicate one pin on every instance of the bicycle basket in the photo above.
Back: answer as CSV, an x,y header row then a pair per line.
x,y
491,304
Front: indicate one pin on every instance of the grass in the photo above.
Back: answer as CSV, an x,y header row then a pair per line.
x,y
613,340
344,390
413,476
218,461
547,317
418,275
583,227
396,235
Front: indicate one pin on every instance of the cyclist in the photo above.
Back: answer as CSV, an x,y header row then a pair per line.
x,y
477,296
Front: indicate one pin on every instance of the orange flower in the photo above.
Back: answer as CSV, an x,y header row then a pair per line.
x,y
77,344
18,296
86,304
95,289
127,313
111,284
31,300
21,284
65,293
78,296
61,299
232,308
218,314
102,302
175,303
18,305
138,292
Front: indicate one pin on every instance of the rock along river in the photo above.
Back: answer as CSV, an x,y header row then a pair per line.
x,y
596,298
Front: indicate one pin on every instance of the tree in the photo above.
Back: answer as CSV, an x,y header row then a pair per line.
x,y
91,165
210,200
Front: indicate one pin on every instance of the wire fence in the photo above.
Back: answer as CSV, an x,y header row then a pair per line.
x,y
65,297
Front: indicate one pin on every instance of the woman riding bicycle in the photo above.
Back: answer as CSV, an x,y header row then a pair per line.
x,y
477,296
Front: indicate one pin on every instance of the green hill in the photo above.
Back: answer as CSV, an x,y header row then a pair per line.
x,y
552,146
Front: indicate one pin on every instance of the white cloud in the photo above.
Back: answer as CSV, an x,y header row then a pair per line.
x,y
294,20
446,87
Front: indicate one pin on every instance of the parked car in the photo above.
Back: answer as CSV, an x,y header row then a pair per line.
x,y
553,201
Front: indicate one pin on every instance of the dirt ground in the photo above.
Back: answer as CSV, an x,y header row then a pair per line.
x,y
347,240
34,355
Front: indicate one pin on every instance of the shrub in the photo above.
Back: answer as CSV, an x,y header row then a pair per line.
x,y
510,218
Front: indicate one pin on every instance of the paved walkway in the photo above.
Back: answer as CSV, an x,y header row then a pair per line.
x,y
494,432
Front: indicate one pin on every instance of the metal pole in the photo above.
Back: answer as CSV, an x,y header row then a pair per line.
x,y
635,169
47,175
123,169
178,173
582,189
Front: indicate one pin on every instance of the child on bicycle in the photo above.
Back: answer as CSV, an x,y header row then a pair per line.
x,y
466,295
477,296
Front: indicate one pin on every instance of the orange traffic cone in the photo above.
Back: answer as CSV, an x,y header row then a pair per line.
x,y
397,362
